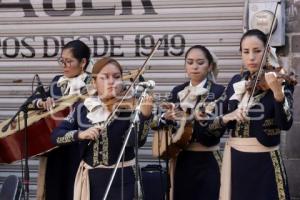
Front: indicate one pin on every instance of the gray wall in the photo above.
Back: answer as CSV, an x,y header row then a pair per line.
x,y
291,149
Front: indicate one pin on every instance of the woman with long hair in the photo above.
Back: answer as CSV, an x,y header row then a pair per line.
x,y
197,172
252,165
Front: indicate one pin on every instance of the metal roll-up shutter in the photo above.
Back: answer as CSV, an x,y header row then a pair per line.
x,y
32,34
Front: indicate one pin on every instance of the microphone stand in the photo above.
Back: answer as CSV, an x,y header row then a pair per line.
x,y
24,108
167,187
134,120
168,175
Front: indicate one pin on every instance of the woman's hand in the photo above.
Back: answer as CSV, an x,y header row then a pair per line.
x,y
238,115
170,113
275,85
91,133
200,113
200,116
147,106
48,104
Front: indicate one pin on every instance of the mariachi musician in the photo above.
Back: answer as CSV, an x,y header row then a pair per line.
x,y
255,113
103,141
58,167
197,172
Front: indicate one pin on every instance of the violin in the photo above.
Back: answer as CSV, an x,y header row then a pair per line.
x,y
280,72
123,104
258,78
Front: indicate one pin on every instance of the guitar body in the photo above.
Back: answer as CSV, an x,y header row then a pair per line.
x,y
39,128
162,144
166,145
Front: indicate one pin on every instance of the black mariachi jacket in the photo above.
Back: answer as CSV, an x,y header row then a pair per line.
x,y
106,148
267,117
200,134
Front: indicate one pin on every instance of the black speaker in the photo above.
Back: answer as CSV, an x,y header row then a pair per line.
x,y
12,188
154,182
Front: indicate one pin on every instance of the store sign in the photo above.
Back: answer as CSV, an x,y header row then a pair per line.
x,y
110,44
101,45
87,8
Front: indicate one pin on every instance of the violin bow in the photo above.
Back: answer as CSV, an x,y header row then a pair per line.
x,y
264,55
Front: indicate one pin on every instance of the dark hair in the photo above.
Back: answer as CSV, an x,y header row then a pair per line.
x,y
254,32
79,50
204,50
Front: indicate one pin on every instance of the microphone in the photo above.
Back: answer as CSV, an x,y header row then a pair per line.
x,y
4,129
147,84
40,88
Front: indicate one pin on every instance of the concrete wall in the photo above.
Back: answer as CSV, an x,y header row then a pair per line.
x,y
291,147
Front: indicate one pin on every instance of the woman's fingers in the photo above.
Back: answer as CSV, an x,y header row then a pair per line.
x,y
170,115
167,105
90,134
147,106
237,115
94,133
48,104
241,115
200,116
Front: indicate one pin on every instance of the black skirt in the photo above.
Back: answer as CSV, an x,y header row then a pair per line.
x,y
259,176
197,176
61,169
122,185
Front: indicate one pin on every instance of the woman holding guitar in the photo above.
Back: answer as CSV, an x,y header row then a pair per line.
x,y
197,173
101,145
58,167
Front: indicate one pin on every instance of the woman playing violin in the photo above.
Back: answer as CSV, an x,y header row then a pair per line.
x,y
197,173
252,166
60,165
102,145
